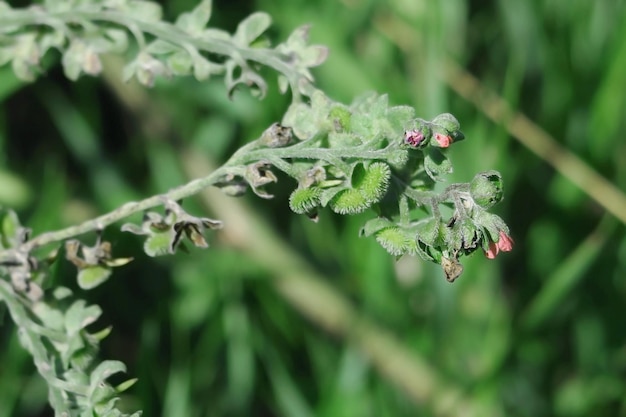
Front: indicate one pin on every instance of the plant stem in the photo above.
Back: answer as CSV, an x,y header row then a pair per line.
x,y
161,30
247,154
128,209
33,343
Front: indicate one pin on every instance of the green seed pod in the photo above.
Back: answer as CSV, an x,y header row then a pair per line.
x,y
486,189
304,200
372,181
396,241
349,201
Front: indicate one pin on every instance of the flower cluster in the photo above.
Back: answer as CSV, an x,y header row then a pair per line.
x,y
441,132
504,244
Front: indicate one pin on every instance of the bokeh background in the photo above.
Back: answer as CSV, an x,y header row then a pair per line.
x,y
285,317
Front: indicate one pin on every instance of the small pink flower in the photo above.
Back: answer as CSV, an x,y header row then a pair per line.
x,y
492,251
413,137
443,140
504,244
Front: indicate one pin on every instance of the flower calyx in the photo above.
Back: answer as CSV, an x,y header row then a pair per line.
x,y
258,175
19,264
441,132
446,130
486,189
165,232
95,263
276,136
418,135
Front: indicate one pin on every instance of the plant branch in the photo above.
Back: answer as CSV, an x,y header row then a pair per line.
x,y
161,30
128,209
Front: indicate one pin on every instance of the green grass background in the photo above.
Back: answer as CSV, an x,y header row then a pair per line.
x,y
291,318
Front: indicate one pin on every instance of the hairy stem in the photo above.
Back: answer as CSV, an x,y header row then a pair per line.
x,y
128,209
247,154
160,30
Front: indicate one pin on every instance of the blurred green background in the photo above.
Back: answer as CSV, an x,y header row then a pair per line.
x,y
284,317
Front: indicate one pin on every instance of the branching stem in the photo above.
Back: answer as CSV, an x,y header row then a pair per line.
x,y
248,154
160,30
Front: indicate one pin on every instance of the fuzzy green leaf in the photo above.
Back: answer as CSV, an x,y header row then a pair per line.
x,y
125,385
93,276
343,140
147,11
60,293
303,200
396,241
340,116
158,244
372,181
436,164
102,334
429,231
399,118
398,157
180,63
375,225
313,56
195,21
26,56
104,370
299,118
102,394
252,27
9,229
79,316
50,317
363,125
349,201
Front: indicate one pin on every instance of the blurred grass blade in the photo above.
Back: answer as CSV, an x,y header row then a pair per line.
x,y
568,275
518,125
538,140
9,83
315,299
83,141
288,396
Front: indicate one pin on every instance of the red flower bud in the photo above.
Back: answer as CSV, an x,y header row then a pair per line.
x,y
504,244
492,251
443,140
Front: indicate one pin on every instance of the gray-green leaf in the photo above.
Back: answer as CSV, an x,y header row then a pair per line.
x,y
93,276
252,27
436,164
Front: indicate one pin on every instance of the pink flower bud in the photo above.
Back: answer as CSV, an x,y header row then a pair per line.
x,y
504,244
414,138
492,251
443,140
